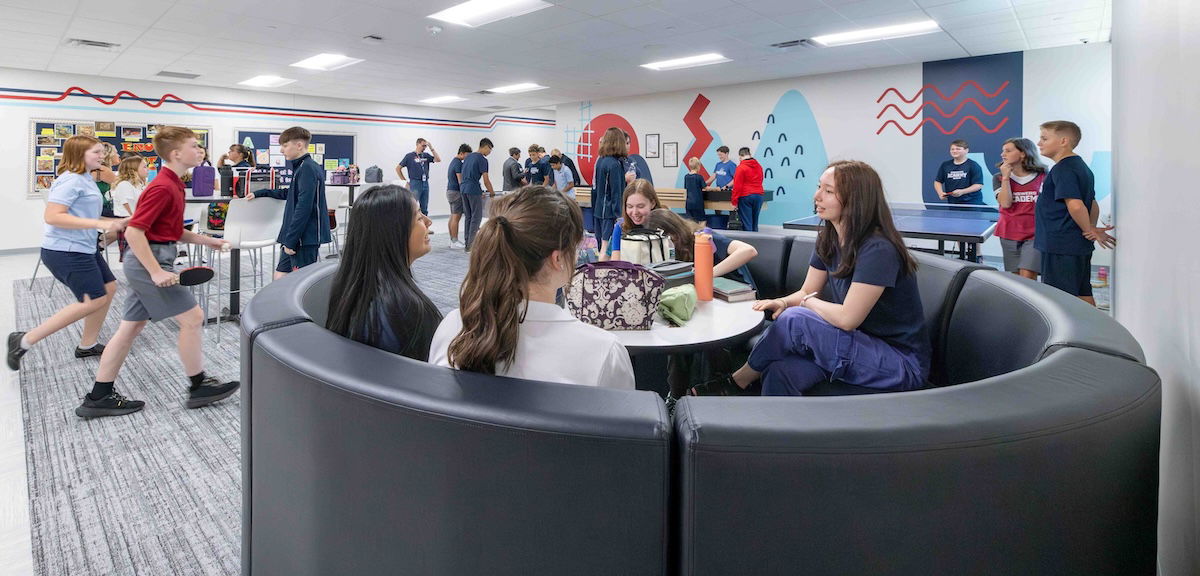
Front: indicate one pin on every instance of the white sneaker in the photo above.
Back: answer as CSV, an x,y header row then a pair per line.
x,y
458,244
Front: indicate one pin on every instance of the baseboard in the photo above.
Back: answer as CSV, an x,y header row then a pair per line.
x,y
19,251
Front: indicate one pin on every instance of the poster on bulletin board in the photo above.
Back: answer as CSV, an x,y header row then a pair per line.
x,y
47,137
324,145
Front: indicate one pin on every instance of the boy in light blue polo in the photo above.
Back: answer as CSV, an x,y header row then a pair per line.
x,y
417,165
563,180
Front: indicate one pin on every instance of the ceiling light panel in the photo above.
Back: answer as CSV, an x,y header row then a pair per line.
x,y
687,62
476,13
882,33
327,62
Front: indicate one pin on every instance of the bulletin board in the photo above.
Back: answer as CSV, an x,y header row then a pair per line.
x,y
47,137
330,150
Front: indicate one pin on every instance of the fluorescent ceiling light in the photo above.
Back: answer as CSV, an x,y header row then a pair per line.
x,y
327,62
476,13
689,62
873,34
442,100
515,88
266,81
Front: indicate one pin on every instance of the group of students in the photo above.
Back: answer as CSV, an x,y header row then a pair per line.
x,y
151,223
1048,222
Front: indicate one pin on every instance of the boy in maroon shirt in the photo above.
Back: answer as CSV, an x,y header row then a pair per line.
x,y
155,293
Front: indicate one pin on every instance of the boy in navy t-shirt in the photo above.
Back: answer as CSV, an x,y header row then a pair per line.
x,y
693,183
417,165
475,166
454,194
1066,214
959,179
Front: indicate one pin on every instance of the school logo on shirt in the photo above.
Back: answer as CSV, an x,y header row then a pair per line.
x,y
957,175
1025,197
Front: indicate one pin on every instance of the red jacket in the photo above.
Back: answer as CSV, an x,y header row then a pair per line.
x,y
747,179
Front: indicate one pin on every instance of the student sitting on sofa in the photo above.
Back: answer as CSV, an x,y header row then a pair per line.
x,y
508,323
871,330
380,304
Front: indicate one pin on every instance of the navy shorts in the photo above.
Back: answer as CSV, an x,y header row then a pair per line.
x,y
304,256
1071,273
84,274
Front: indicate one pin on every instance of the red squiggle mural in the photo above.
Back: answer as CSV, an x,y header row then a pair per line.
x,y
940,128
699,131
935,89
943,112
334,116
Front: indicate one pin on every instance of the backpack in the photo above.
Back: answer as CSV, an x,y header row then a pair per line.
x,y
216,215
373,175
646,247
203,180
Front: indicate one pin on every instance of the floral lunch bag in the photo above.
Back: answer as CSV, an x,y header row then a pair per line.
x,y
615,295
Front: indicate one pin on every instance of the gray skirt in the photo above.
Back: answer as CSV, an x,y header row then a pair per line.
x,y
147,301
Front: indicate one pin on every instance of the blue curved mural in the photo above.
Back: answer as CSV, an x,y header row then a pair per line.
x,y
790,171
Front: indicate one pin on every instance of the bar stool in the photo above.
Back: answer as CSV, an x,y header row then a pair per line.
x,y
250,225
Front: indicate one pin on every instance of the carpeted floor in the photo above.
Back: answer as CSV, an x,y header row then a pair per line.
x,y
158,492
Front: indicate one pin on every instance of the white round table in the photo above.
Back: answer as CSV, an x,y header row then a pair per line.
x,y
714,324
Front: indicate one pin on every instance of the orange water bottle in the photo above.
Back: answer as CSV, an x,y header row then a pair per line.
x,y
702,260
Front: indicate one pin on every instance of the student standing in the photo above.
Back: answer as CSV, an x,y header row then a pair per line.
x,y
475,166
639,199
379,302
1066,214
636,164
871,332
305,216
959,179
454,194
537,168
722,176
608,181
570,164
131,179
69,251
417,165
508,323
563,181
747,194
106,177
1017,187
514,174
693,185
155,293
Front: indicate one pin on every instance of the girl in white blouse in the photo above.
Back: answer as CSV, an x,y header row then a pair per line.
x,y
508,323
131,180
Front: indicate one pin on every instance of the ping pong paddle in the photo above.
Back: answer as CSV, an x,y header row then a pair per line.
x,y
195,275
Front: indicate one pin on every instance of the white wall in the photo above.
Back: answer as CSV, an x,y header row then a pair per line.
x,y
381,143
1060,83
1156,51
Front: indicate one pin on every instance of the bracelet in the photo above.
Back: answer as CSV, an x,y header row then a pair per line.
x,y
782,302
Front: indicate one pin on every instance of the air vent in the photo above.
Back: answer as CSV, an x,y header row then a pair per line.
x,y
803,43
93,44
372,39
182,75
485,92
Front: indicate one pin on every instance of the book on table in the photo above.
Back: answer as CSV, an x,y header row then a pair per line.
x,y
732,290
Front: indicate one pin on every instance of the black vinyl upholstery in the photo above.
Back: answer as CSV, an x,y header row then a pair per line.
x,y
769,268
357,461
1039,456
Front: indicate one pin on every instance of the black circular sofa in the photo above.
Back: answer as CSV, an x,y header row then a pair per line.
x,y
1034,451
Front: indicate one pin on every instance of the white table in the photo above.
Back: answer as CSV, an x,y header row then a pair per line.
x,y
714,324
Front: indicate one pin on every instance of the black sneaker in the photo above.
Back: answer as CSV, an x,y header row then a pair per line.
x,y
112,405
94,351
15,351
719,386
210,390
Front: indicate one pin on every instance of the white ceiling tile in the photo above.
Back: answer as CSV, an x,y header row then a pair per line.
x,y
1044,7
600,8
967,8
60,7
25,59
870,8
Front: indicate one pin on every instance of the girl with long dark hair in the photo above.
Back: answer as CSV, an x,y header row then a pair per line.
x,y
870,331
1017,187
379,303
508,323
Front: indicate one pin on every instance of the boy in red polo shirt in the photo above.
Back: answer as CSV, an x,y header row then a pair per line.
x,y
155,293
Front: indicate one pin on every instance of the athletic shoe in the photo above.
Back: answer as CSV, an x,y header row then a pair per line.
x,y
210,390
112,405
15,351
95,351
458,245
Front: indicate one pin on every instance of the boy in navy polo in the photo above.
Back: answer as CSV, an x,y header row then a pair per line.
x,y
475,166
154,290
537,167
1066,214
959,179
305,216
454,194
417,164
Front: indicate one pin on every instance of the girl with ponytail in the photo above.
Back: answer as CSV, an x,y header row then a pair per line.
x,y
507,323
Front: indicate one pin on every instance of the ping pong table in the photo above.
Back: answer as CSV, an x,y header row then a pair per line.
x,y
969,226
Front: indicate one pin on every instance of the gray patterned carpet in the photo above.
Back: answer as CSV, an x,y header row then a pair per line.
x,y
158,492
